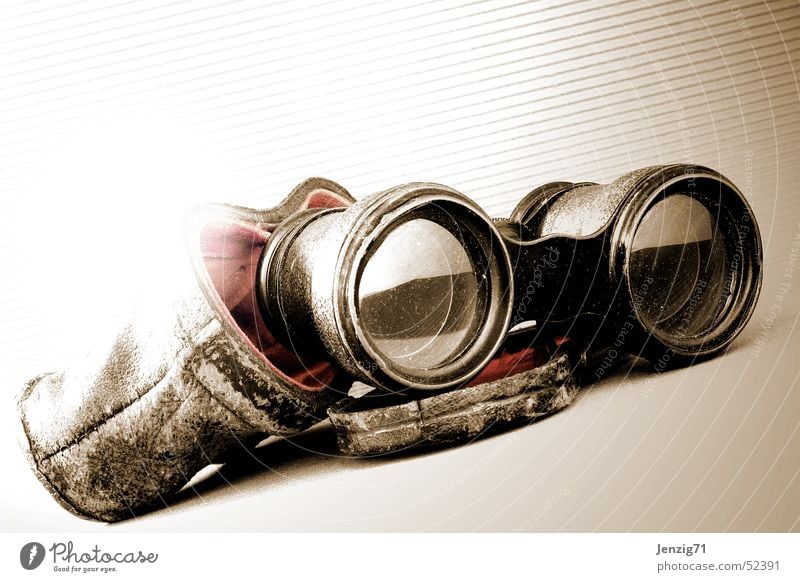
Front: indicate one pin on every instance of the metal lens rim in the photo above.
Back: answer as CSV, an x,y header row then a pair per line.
x,y
725,203
397,206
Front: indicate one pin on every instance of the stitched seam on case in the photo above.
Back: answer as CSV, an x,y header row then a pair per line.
x,y
60,498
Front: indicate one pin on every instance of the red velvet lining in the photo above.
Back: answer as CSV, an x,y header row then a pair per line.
x,y
231,250
512,359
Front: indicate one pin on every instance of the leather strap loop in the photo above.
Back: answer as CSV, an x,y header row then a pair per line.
x,y
379,424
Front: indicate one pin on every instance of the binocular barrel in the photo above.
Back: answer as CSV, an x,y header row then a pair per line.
x,y
672,252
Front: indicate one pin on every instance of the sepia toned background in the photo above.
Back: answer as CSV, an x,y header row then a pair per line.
x,y
114,116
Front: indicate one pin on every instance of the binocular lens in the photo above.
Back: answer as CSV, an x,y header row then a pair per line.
x,y
418,295
677,267
410,287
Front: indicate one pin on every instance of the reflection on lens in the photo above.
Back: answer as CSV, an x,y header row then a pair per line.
x,y
677,267
418,296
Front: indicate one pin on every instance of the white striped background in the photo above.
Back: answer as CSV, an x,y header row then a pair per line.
x,y
116,115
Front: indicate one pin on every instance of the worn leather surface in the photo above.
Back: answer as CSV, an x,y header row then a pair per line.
x,y
167,394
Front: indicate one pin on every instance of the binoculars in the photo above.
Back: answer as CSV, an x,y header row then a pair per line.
x,y
458,322
416,288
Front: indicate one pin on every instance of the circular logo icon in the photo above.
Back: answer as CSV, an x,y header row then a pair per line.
x,y
31,555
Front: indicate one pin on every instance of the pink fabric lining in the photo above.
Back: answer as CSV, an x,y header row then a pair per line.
x,y
231,250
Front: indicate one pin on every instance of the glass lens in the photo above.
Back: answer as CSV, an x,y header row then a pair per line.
x,y
677,267
418,296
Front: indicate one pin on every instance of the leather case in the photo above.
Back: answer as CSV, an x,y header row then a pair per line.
x,y
191,375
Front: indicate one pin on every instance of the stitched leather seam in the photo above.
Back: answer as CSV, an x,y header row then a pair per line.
x,y
35,464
